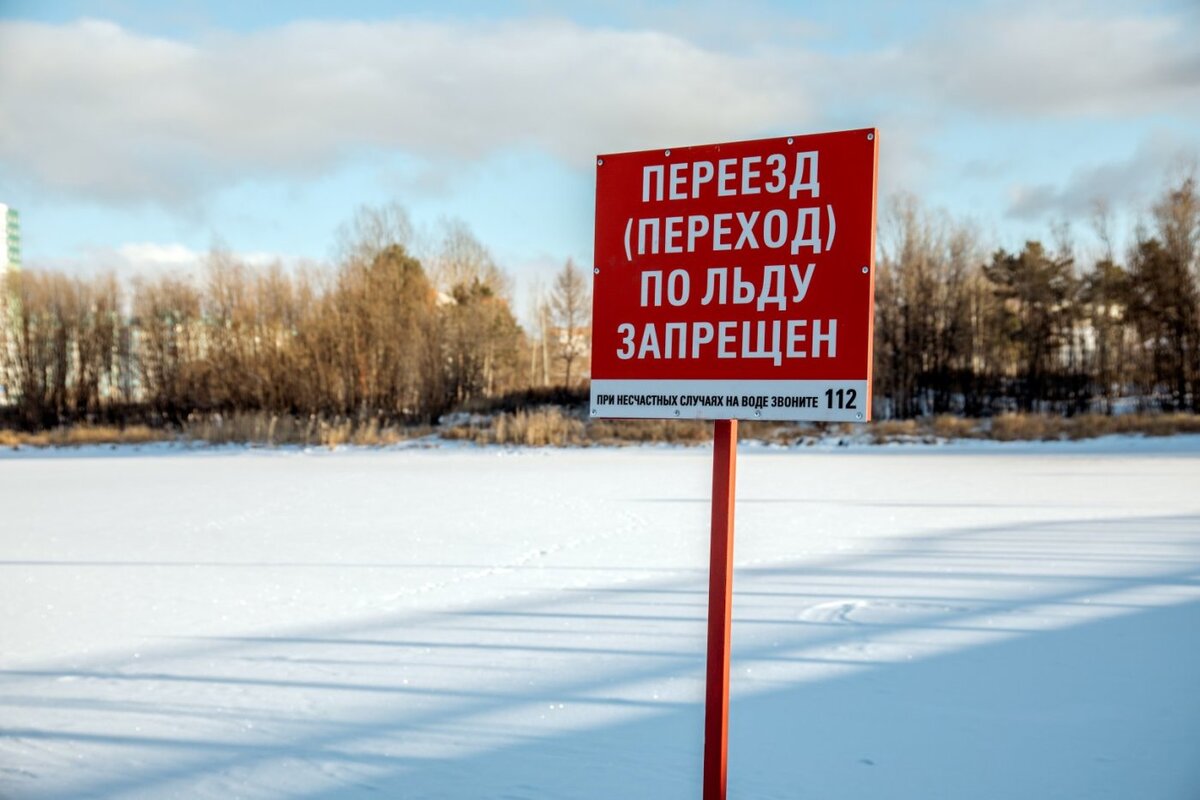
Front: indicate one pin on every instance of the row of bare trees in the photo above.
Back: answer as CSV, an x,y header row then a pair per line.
x,y
1043,328
383,334
386,334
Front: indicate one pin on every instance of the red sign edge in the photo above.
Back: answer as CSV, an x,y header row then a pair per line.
x,y
870,398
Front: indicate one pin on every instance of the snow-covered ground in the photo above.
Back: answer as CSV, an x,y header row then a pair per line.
x,y
982,621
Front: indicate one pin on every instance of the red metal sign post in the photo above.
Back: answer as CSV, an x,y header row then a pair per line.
x,y
734,281
720,608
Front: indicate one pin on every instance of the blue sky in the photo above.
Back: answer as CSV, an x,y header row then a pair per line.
x,y
135,135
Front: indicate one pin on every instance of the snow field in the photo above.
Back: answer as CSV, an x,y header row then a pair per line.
x,y
968,621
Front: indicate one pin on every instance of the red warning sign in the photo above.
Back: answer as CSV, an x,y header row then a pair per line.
x,y
736,281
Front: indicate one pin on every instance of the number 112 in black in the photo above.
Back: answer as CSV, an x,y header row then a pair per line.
x,y
841,398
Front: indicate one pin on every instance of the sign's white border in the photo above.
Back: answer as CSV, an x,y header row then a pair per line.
x,y
828,401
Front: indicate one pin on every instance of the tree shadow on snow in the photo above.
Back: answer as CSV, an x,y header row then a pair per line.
x,y
597,692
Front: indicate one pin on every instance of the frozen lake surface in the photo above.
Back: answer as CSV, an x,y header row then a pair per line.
x,y
984,621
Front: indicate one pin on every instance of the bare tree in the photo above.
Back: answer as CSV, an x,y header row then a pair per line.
x,y
167,320
372,230
381,332
478,337
461,260
925,351
571,311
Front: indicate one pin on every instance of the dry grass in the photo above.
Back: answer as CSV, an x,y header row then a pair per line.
x,y
662,431
1168,424
1088,426
945,426
1024,427
891,430
81,435
548,425
785,433
554,426
1030,427
284,429
538,427
551,425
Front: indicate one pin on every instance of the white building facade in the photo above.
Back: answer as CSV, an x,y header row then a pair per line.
x,y
10,240
10,259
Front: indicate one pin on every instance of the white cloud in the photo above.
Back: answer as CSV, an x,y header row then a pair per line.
x,y
1061,62
143,255
147,259
94,110
1127,184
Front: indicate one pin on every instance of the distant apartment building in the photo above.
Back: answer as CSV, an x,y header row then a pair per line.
x,y
10,259
10,242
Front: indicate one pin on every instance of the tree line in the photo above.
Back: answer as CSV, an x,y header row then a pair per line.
x,y
386,334
381,335
1041,329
